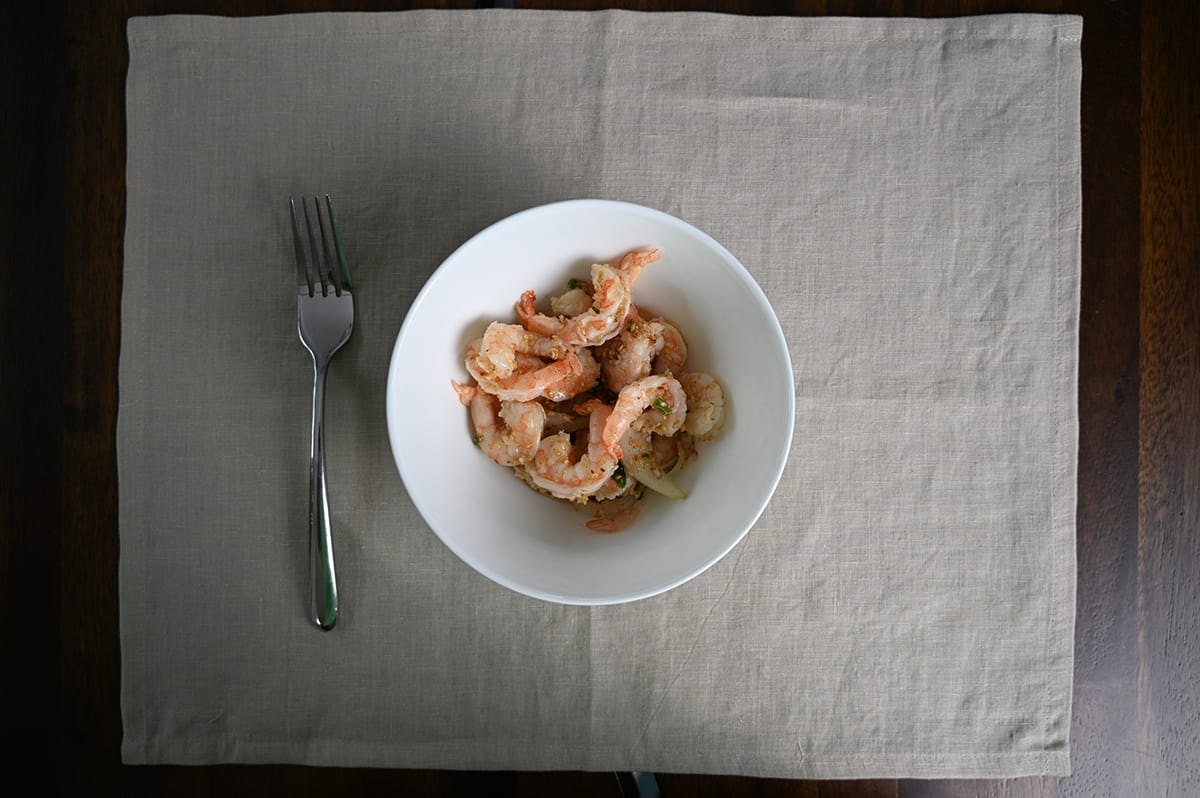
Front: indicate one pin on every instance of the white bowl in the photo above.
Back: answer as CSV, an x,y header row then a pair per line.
x,y
539,546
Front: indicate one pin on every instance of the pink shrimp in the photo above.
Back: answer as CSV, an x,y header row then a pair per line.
x,y
573,301
706,404
502,343
622,519
601,321
612,295
673,354
522,386
534,321
465,392
653,404
616,507
507,432
555,470
627,357
633,262
572,386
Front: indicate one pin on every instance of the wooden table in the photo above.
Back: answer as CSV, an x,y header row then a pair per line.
x,y
1136,728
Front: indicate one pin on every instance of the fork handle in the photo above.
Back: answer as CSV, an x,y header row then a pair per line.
x,y
322,579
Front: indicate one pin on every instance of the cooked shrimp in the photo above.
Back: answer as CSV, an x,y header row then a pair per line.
x,y
633,262
522,386
528,362
507,432
503,342
612,293
537,322
706,404
572,302
569,387
465,392
654,404
572,386
555,470
524,422
622,519
673,353
618,510
543,399
665,420
611,299
627,357
601,321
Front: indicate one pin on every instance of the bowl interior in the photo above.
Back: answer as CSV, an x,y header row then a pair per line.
x,y
538,546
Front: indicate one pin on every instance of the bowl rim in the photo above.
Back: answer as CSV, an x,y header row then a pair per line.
x,y
440,274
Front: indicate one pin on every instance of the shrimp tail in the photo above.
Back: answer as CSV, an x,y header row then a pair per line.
x,y
465,392
525,307
532,320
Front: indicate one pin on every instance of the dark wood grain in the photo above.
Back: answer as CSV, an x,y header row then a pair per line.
x,y
1164,744
94,159
32,335
1136,707
1108,393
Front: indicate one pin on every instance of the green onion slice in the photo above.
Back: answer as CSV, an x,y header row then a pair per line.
x,y
619,476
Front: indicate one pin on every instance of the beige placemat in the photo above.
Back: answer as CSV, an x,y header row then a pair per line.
x,y
907,194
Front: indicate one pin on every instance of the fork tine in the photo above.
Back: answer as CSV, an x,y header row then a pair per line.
x,y
302,268
337,243
327,267
312,248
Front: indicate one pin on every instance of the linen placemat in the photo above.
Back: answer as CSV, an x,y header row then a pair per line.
x,y
907,194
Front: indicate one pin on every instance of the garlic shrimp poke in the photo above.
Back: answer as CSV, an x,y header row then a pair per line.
x,y
589,400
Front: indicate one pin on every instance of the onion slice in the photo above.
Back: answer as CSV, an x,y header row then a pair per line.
x,y
641,464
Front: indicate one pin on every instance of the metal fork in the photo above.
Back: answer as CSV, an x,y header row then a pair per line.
x,y
325,319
